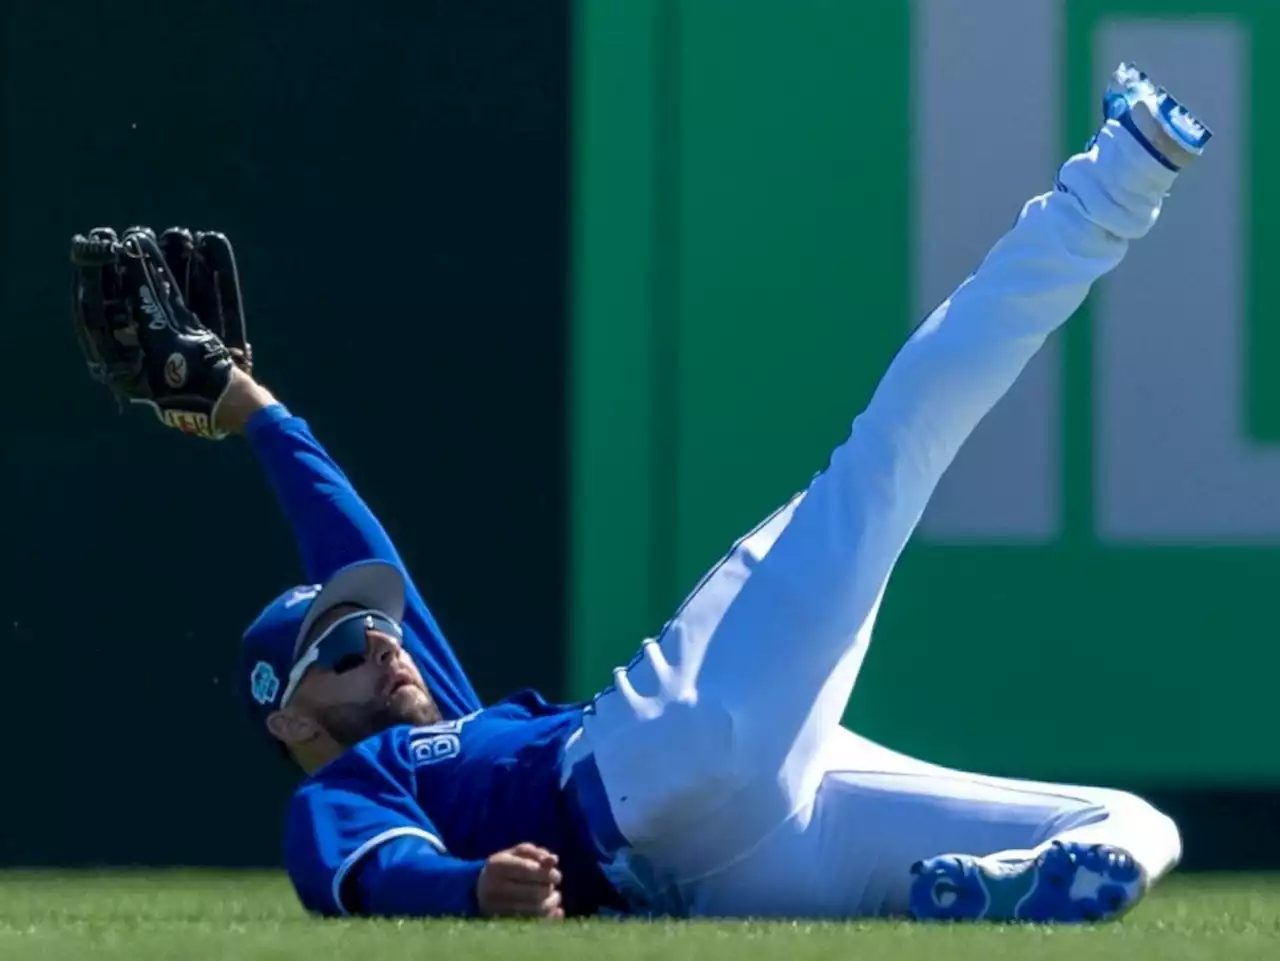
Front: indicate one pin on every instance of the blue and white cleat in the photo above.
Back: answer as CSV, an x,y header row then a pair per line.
x,y
1061,883
1166,129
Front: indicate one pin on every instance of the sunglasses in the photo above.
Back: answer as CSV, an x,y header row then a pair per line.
x,y
342,646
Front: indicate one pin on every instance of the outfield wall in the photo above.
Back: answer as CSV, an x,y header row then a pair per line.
x,y
770,195
394,183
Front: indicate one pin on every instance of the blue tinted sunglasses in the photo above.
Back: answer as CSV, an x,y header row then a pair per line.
x,y
341,647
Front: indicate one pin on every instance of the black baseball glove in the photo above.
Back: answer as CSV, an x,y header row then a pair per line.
x,y
161,322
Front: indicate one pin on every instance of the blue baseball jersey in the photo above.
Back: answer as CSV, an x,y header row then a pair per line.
x,y
402,823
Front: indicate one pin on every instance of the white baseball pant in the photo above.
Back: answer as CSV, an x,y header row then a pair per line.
x,y
720,747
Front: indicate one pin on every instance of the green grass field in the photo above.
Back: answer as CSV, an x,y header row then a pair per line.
x,y
143,917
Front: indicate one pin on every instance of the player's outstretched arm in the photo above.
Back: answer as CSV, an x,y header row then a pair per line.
x,y
160,323
331,523
333,526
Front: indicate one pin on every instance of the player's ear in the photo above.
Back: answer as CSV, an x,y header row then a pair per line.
x,y
291,729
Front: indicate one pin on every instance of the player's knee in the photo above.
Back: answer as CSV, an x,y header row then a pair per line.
x,y
1164,833
1152,836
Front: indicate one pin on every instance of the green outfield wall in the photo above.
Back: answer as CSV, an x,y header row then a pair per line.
x,y
770,195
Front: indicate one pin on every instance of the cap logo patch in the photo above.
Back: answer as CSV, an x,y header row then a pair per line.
x,y
263,683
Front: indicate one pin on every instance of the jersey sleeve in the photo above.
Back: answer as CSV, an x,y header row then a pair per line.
x,y
334,527
354,849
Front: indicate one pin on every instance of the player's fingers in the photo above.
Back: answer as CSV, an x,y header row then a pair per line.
x,y
531,851
552,906
520,900
543,876
529,873
537,872
545,859
550,868
506,864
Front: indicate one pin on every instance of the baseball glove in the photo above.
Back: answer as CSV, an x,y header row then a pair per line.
x,y
161,322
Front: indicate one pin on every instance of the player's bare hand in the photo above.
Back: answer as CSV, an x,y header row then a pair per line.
x,y
244,398
522,882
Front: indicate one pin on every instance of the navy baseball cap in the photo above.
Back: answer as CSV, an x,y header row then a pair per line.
x,y
273,644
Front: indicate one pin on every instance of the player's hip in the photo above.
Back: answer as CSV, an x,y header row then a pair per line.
x,y
658,830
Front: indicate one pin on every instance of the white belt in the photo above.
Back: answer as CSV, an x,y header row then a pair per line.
x,y
575,750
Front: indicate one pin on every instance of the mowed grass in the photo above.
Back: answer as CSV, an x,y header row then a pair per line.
x,y
147,916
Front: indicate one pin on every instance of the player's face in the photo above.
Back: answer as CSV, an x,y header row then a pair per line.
x,y
365,693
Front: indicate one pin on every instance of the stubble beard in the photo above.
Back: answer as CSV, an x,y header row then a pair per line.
x,y
349,724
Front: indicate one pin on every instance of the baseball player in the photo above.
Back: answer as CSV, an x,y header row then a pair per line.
x,y
712,777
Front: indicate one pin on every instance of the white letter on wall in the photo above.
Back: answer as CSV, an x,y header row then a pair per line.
x,y
988,127
1173,463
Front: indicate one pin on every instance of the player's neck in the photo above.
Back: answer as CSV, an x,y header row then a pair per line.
x,y
315,754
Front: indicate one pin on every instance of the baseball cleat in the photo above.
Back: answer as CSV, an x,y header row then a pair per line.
x,y
1165,129
1063,883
